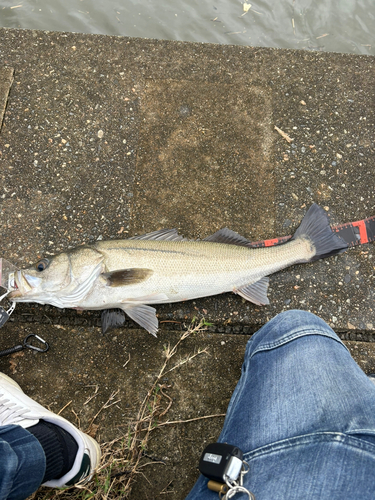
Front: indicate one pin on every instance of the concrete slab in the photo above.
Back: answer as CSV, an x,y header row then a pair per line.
x,y
204,149
98,148
82,363
105,137
83,369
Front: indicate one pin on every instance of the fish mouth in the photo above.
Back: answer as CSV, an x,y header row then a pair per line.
x,y
23,284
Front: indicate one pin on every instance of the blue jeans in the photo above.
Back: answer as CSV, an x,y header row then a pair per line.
x,y
22,463
303,413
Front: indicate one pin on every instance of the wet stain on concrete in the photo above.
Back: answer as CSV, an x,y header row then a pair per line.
x,y
203,159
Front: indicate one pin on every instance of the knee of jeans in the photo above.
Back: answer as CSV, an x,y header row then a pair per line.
x,y
294,319
297,315
283,325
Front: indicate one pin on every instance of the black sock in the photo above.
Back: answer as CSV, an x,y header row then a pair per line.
x,y
59,447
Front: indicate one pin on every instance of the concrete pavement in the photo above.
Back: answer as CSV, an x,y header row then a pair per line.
x,y
108,137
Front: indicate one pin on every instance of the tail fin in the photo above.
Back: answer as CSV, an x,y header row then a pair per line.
x,y
315,225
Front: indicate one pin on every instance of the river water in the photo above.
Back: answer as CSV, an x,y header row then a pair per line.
x,y
328,25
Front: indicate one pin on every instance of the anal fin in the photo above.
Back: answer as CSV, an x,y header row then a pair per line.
x,y
256,292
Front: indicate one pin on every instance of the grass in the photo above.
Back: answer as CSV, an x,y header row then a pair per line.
x,y
123,458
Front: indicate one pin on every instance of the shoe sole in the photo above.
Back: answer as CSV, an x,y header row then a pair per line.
x,y
96,446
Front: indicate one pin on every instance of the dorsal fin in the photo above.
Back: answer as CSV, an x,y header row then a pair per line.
x,y
161,234
229,237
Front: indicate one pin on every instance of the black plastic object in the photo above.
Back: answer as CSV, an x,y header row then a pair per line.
x,y
220,461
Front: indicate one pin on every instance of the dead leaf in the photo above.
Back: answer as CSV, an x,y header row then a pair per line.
x,y
14,361
93,430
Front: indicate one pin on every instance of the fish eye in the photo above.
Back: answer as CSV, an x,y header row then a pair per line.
x,y
41,265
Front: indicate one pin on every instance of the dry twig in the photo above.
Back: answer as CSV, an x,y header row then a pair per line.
x,y
122,457
283,134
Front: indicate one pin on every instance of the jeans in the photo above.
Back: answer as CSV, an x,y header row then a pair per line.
x,y
303,413
22,463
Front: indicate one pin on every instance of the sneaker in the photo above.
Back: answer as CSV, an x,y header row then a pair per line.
x,y
18,409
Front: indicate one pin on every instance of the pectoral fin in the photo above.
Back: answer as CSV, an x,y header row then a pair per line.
x,y
123,277
144,315
256,292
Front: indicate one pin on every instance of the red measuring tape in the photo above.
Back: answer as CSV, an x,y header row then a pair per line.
x,y
354,233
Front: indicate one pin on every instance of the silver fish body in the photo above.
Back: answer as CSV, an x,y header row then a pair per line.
x,y
162,267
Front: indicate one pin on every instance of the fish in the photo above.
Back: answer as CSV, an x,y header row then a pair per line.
x,y
134,274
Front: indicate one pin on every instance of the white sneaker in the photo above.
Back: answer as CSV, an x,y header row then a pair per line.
x,y
18,409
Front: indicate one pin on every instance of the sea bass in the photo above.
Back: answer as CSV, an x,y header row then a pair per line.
x,y
162,267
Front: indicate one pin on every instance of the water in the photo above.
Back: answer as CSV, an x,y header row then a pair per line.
x,y
329,25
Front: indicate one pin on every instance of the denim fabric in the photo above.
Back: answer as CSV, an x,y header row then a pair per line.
x,y
303,412
22,463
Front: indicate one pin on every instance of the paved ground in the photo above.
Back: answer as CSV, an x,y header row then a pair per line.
x,y
105,137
